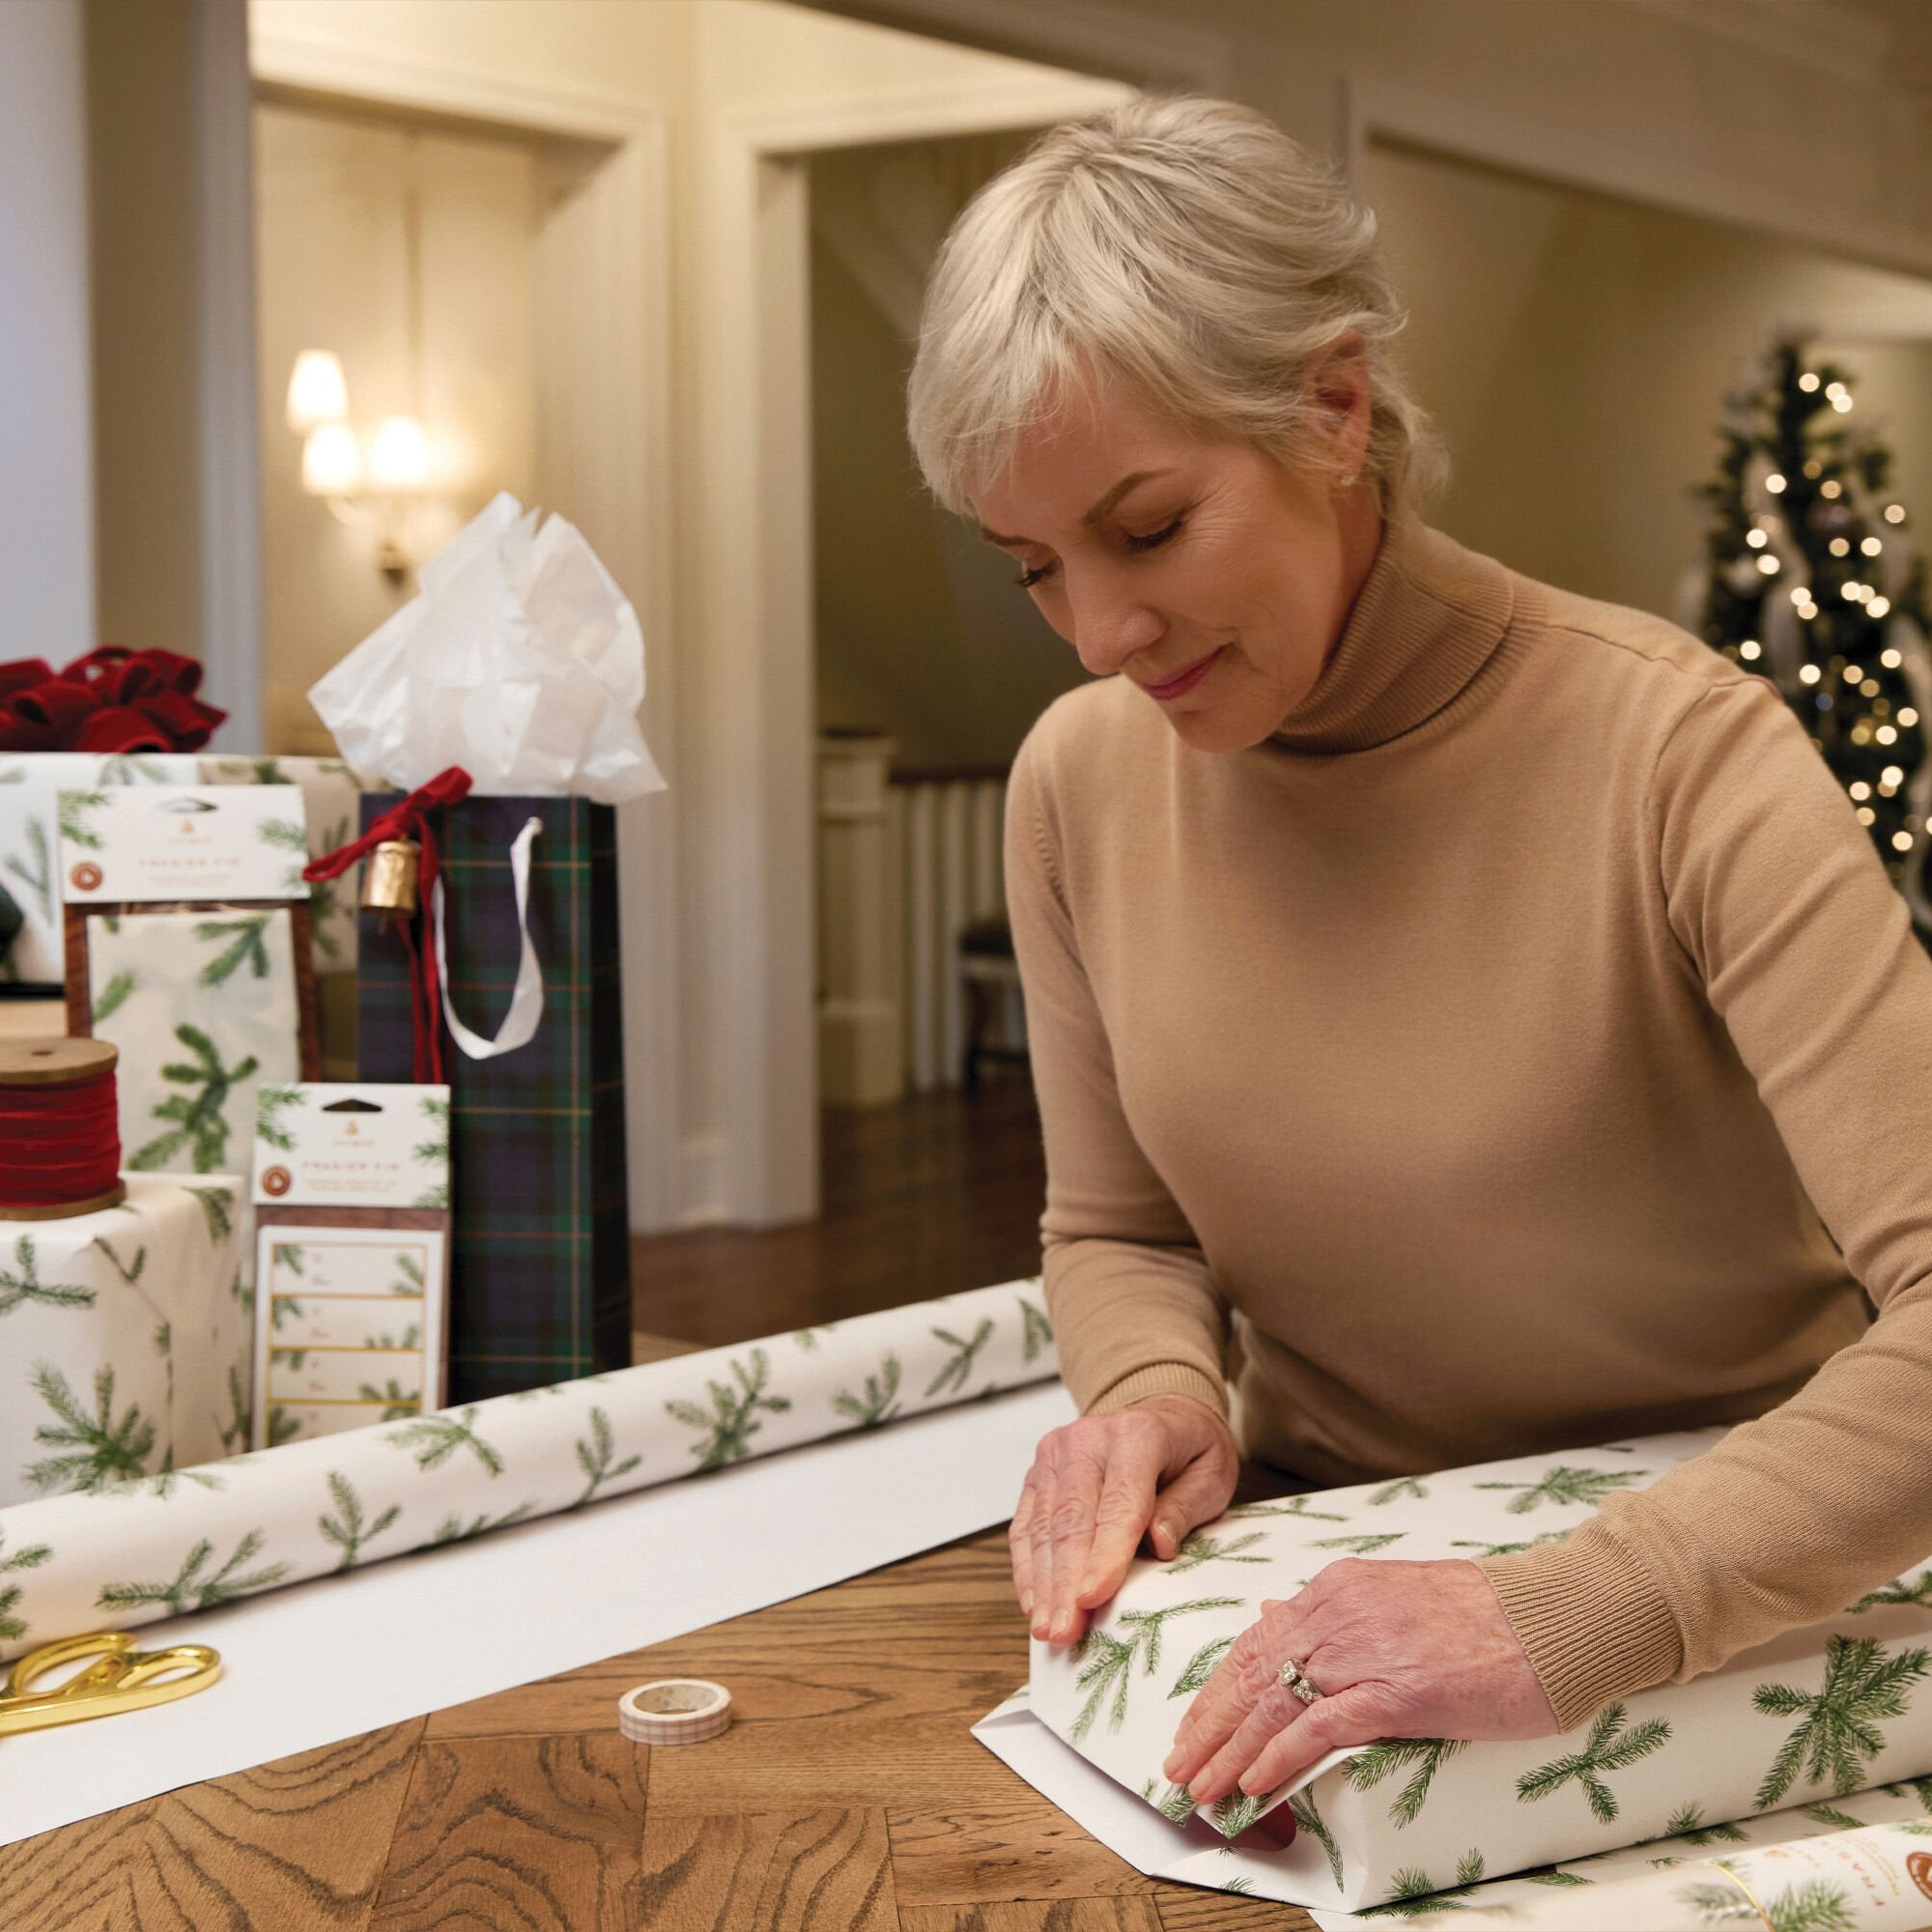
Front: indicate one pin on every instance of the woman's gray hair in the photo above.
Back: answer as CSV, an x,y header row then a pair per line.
x,y
1187,249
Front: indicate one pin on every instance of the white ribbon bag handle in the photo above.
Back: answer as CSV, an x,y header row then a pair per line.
x,y
527,1001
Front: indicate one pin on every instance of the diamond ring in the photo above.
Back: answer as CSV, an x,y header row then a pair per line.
x,y
1291,1677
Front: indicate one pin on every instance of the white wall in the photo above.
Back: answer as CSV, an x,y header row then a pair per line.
x,y
46,468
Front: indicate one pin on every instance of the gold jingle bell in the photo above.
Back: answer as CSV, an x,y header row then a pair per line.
x,y
390,878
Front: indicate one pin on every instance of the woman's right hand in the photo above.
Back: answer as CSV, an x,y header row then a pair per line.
x,y
1158,1468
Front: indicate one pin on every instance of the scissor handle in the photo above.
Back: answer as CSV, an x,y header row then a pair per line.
x,y
121,1678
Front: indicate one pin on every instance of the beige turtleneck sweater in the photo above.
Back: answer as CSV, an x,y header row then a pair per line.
x,y
1491,1041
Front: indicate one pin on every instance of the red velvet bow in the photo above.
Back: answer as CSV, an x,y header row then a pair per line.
x,y
110,700
410,819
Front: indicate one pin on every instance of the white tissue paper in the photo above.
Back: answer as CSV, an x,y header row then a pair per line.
x,y
520,660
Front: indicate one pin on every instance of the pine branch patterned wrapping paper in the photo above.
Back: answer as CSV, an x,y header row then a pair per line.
x,y
124,1342
203,1009
332,796
1817,1714
201,1537
30,788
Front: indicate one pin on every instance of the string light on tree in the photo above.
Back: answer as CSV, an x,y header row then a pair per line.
x,y
1800,588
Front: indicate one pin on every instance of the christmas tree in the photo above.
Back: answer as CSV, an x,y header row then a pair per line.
x,y
1812,584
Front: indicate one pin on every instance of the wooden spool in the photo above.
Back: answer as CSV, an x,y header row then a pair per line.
x,y
58,1063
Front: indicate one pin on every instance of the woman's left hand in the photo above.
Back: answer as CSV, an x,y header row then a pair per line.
x,y
1398,1650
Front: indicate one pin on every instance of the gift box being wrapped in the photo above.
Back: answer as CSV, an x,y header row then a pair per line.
x,y
124,1339
1814,1715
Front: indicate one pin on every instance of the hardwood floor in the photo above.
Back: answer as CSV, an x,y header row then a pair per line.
x,y
940,1193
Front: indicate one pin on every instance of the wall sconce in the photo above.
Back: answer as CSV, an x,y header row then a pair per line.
x,y
361,492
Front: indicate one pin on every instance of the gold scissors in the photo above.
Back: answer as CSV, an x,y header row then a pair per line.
x,y
119,1678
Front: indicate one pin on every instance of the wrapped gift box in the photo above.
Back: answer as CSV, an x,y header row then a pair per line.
x,y
124,1339
1375,1822
30,787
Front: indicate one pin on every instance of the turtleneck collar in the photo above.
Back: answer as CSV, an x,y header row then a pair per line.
x,y
1427,619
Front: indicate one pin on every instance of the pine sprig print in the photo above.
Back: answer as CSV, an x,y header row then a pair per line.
x,y
74,810
1830,1815
22,1283
197,1123
1415,1895
1510,1549
1301,1808
1284,1506
271,1104
217,1209
1609,1747
1036,1330
397,1402
1233,1814
1899,1591
39,878
410,1279
1686,1822
594,1457
875,1403
732,1419
1200,1548
453,1530
1837,1728
1360,1546
283,1426
130,1271
1426,1755
235,1430
91,1450
29,1558
1176,1802
1812,1905
246,946
1584,1489
1717,1904
1108,1661
120,988
348,1529
959,1367
190,1590
1404,1488
1202,1666
436,1438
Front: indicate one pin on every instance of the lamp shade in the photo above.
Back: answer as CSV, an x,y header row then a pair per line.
x,y
317,391
399,455
331,461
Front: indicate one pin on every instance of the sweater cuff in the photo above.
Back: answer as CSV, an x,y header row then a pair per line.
x,y
1591,1620
1162,1378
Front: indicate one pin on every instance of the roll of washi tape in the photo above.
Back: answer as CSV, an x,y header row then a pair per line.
x,y
60,1137
674,1711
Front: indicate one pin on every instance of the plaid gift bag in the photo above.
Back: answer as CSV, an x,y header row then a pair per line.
x,y
540,1255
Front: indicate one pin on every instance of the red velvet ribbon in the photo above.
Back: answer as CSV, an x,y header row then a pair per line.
x,y
410,819
59,1145
110,700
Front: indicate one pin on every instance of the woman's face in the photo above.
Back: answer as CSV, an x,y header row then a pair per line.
x,y
1211,576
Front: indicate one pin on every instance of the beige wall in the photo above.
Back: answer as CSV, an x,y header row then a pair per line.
x,y
1577,350
335,194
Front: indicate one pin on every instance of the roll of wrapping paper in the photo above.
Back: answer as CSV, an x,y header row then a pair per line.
x,y
60,1140
194,1539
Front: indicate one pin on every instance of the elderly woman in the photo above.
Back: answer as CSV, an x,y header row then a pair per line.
x,y
1466,1016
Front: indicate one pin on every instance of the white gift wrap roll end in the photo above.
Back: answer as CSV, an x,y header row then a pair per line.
x,y
674,1711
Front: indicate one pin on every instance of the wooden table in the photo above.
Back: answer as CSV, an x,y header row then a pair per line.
x,y
847,1797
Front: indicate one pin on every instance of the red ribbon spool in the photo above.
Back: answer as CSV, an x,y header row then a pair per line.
x,y
60,1131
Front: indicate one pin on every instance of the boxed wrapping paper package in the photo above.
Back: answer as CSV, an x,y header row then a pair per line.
x,y
124,1340
1820,1713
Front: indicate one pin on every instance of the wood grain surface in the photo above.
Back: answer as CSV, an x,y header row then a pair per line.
x,y
846,1797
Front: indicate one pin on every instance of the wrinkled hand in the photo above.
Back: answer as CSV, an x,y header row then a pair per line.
x,y
1398,1650
1159,1468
